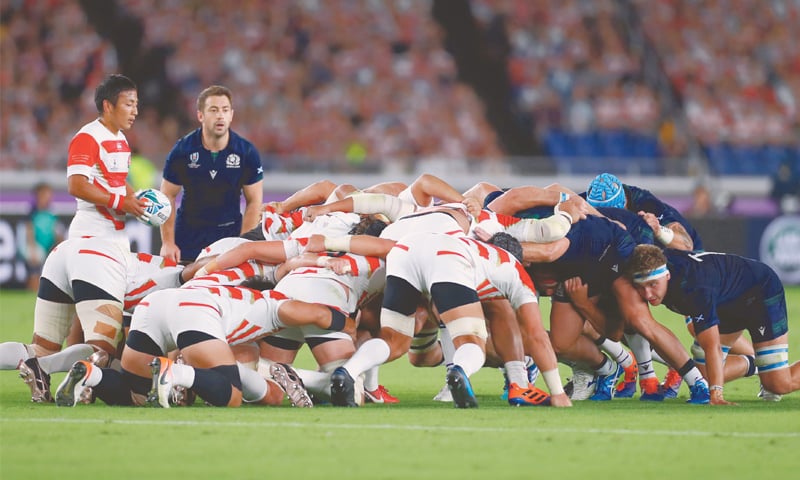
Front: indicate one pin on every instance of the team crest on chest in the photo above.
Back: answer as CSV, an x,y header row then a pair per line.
x,y
233,161
193,159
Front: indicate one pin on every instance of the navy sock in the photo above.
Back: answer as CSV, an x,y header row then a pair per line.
x,y
113,389
212,386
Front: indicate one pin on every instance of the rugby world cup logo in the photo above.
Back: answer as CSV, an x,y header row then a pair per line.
x,y
193,159
780,248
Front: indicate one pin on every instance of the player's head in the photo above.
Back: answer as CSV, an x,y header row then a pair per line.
x,y
544,279
110,89
257,282
215,110
606,191
647,270
507,243
371,225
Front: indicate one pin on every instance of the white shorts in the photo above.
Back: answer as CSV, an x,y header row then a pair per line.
x,y
165,314
96,261
423,259
315,290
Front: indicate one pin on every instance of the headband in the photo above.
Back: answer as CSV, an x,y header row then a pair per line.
x,y
644,277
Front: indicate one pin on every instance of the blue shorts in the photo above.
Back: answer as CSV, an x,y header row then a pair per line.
x,y
761,311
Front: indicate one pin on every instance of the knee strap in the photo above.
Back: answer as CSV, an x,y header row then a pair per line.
x,y
772,357
468,326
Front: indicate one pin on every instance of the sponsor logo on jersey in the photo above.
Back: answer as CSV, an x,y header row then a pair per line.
x,y
213,174
193,159
233,161
780,248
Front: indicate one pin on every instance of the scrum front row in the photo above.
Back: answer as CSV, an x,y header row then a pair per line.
x,y
361,293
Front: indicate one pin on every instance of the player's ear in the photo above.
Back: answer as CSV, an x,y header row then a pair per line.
x,y
200,116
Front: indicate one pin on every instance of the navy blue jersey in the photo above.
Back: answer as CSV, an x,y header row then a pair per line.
x,y
597,251
639,199
730,291
634,224
212,188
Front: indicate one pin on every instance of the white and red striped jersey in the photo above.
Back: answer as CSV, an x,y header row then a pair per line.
x,y
278,226
221,246
435,219
503,275
233,314
346,292
333,224
234,276
149,273
246,315
104,158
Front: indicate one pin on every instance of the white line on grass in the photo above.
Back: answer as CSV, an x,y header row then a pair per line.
x,y
437,428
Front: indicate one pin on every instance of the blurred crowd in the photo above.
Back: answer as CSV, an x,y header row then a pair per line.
x,y
366,83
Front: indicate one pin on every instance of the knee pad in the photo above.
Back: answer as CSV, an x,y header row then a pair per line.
x,y
398,322
772,357
698,354
52,320
101,320
468,326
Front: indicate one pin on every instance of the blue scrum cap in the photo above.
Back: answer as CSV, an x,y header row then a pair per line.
x,y
606,191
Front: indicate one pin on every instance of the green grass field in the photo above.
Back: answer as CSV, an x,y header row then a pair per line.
x,y
417,438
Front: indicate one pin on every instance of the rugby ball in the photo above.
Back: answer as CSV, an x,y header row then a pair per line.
x,y
158,209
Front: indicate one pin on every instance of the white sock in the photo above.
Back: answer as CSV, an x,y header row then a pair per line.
x,y
470,357
95,376
448,349
529,361
693,376
370,354
607,368
371,379
62,361
254,387
263,367
658,358
318,383
516,373
182,375
11,353
644,355
617,352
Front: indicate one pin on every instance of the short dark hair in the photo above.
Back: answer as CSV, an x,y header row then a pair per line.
x,y
110,88
507,243
257,282
213,91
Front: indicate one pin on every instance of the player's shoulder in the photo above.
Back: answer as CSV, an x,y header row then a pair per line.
x,y
190,141
96,131
240,145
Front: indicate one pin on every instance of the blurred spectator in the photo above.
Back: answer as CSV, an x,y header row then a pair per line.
x,y
142,173
306,68
43,231
786,188
702,204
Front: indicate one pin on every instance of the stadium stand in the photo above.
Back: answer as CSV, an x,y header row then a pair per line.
x,y
355,85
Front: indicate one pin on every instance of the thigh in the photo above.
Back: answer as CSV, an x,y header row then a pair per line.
x,y
333,350
208,354
52,320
